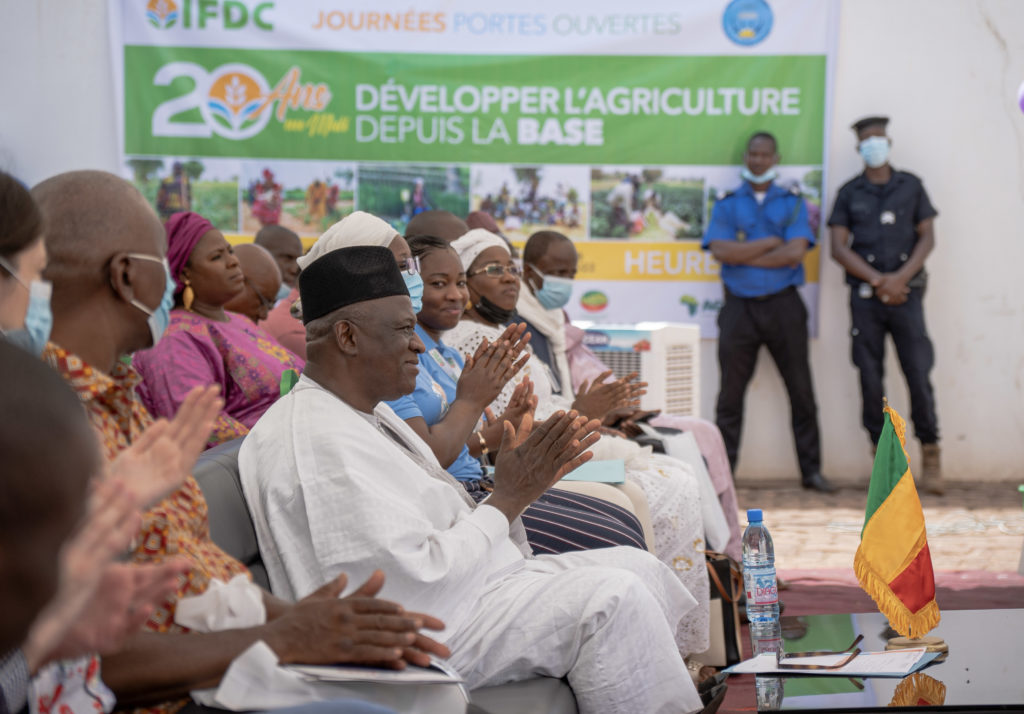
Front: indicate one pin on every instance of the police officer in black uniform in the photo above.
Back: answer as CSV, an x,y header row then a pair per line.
x,y
882,231
760,233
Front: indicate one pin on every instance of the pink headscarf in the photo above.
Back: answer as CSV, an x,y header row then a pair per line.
x,y
183,232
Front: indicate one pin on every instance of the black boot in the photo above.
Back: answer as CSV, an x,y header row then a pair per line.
x,y
817,482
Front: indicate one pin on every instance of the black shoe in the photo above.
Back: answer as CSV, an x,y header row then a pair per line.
x,y
817,482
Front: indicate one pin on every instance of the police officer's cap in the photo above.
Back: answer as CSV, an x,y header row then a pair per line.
x,y
862,124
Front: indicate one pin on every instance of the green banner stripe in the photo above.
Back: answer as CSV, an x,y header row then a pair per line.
x,y
448,108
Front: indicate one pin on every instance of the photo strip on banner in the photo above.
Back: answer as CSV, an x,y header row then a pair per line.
x,y
306,197
526,199
208,186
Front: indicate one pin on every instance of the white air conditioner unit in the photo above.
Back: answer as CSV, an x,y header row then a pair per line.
x,y
666,355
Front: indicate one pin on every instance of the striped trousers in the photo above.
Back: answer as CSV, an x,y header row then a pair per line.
x,y
560,521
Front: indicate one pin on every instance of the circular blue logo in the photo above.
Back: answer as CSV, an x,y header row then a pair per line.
x,y
747,22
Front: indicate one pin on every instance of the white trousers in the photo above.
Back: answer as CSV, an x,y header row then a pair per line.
x,y
602,618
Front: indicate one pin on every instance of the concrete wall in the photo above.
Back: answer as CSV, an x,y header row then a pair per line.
x,y
947,71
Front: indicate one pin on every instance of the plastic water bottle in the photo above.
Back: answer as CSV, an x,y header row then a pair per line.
x,y
761,586
770,693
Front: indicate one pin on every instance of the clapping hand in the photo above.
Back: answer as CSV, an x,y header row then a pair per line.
x,y
522,402
125,597
595,399
634,390
493,364
159,461
110,522
531,460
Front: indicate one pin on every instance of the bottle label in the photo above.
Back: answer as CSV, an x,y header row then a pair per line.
x,y
762,588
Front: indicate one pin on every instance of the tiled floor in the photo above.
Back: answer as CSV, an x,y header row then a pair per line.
x,y
972,527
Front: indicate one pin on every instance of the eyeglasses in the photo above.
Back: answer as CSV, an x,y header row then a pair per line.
x,y
410,265
264,302
496,270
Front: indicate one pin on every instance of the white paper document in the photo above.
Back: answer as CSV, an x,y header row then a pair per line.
x,y
409,675
256,680
892,663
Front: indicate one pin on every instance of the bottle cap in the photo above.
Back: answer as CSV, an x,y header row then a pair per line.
x,y
754,515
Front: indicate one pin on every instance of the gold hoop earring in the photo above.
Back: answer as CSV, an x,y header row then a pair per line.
x,y
187,296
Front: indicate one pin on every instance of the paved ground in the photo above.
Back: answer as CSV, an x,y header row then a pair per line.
x,y
972,527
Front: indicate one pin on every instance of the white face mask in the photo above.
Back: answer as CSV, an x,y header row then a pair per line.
x,y
753,178
875,151
160,317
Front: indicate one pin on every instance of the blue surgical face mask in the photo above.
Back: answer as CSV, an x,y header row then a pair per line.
x,y
753,178
283,292
555,292
160,318
875,151
414,284
38,317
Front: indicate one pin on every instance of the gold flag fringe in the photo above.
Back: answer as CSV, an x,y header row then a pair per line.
x,y
900,427
918,686
907,623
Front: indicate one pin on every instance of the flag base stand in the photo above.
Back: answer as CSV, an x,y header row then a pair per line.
x,y
929,642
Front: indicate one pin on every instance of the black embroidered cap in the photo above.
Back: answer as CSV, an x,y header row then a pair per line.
x,y
347,276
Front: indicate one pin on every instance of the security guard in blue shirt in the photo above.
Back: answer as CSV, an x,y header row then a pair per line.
x,y
890,219
759,233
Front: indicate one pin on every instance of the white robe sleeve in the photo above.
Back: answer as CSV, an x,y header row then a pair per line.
x,y
368,506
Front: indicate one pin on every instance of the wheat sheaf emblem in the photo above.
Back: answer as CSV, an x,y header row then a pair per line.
x,y
239,102
162,13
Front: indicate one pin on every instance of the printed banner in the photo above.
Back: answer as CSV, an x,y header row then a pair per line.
x,y
617,127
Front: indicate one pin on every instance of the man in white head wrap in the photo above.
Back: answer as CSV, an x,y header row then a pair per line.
x,y
359,228
362,228
671,488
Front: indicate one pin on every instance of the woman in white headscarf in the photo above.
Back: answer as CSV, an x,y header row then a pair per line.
x,y
361,228
670,486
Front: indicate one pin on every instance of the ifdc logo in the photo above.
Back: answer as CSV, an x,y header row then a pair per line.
x,y
234,101
747,22
162,14
216,14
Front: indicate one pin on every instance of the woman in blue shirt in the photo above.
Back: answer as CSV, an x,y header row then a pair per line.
x,y
446,408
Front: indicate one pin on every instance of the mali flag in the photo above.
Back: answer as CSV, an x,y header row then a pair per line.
x,y
892,563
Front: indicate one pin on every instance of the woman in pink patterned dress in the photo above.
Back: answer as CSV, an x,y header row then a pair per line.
x,y
204,343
